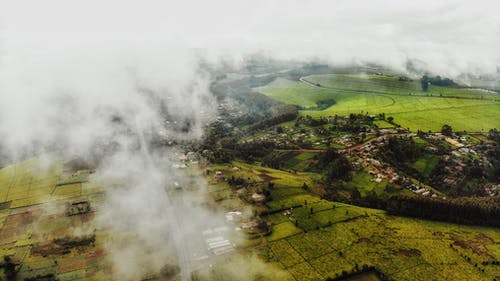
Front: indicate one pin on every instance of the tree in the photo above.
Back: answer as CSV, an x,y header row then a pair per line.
x,y
339,169
9,269
337,165
390,119
425,83
446,130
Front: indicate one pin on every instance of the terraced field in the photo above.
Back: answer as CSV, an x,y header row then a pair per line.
x,y
316,240
463,109
320,238
33,215
346,237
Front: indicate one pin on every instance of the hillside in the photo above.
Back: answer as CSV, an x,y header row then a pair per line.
x,y
464,109
315,239
47,225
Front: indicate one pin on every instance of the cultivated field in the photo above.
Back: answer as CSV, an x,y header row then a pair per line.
x,y
36,230
321,238
316,240
463,109
401,248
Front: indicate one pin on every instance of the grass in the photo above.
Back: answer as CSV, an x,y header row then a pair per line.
x,y
426,164
417,250
285,253
282,230
29,182
291,201
299,159
295,93
338,237
279,177
32,213
382,124
462,109
392,85
364,182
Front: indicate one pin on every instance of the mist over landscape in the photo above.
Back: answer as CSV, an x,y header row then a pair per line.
x,y
249,140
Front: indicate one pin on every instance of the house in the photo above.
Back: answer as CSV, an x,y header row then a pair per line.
x,y
179,166
78,208
258,198
233,216
420,191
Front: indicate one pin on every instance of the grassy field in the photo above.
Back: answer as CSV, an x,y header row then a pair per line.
x,y
279,177
391,85
29,183
461,108
33,200
426,164
345,238
321,238
365,183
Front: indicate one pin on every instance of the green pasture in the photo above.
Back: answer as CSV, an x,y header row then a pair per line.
x,y
280,178
320,238
426,164
391,85
365,183
300,162
463,109
401,248
30,182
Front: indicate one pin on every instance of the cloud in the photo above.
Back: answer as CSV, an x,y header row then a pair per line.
x,y
451,36
83,76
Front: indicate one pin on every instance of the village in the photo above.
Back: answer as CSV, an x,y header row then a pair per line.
x,y
361,137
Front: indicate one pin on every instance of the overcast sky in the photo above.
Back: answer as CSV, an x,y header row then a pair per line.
x,y
452,36
92,54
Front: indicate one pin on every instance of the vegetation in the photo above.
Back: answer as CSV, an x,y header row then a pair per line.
x,y
401,150
353,143
38,242
417,249
320,239
336,165
403,100
446,130
478,211
327,177
426,164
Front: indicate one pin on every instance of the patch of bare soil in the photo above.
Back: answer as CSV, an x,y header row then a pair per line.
x,y
477,245
363,240
409,252
62,246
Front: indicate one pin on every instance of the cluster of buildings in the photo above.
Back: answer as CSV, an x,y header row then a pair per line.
x,y
216,240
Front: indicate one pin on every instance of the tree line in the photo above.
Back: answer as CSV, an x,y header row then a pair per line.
x,y
464,210
436,80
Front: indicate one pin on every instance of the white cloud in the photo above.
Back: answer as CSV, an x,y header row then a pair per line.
x,y
67,67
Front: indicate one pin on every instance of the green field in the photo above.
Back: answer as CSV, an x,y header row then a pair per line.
x,y
320,238
426,164
463,109
382,84
34,195
345,237
365,183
